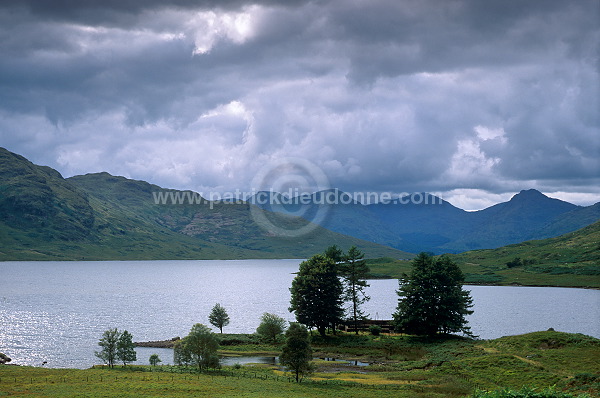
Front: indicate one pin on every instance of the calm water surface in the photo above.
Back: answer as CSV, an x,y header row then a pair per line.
x,y
57,311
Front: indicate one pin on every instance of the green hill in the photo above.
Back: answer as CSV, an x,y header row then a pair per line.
x,y
102,217
571,259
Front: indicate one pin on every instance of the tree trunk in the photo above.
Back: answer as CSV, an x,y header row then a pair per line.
x,y
321,330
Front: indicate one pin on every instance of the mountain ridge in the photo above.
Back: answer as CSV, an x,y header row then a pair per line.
x,y
98,206
119,219
429,223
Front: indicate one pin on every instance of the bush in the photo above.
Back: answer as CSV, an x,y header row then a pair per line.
x,y
375,330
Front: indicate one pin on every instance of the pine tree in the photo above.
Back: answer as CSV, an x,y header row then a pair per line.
x,y
432,299
354,271
316,294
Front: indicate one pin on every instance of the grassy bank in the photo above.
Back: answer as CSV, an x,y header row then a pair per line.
x,y
496,272
401,366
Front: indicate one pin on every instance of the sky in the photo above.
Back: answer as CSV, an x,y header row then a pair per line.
x,y
467,99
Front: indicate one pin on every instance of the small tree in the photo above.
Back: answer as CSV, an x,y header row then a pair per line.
x,y
271,326
181,356
201,345
354,271
297,353
108,342
316,294
4,359
432,299
125,348
218,317
154,359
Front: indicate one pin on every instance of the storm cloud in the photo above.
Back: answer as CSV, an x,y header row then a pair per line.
x,y
473,100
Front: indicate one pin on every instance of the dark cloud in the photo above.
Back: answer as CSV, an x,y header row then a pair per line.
x,y
443,96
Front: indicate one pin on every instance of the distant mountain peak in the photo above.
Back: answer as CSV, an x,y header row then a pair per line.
x,y
529,194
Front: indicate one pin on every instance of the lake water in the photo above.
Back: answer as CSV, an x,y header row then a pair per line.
x,y
57,311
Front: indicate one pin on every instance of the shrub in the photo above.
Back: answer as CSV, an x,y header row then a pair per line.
x,y
375,330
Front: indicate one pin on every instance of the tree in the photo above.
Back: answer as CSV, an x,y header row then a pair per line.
x,y
432,299
334,253
316,294
181,356
108,342
354,271
154,359
201,346
125,348
4,359
297,353
218,317
271,326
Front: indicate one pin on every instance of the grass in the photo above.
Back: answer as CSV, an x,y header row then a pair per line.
x,y
402,366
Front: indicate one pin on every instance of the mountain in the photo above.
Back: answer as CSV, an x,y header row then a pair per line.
x,y
521,218
423,222
103,217
36,196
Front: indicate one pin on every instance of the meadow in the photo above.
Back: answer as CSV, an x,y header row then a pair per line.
x,y
400,366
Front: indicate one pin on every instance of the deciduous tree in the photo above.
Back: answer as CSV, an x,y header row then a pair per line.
x,y
271,326
297,353
218,317
154,359
125,348
201,345
108,342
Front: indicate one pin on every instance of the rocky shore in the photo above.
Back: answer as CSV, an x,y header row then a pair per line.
x,y
157,343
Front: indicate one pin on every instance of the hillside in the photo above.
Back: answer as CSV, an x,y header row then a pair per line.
x,y
571,259
101,217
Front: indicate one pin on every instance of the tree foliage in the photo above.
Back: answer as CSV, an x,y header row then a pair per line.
x,y
218,317
354,271
154,359
297,353
335,253
199,348
316,294
431,299
108,342
271,326
125,348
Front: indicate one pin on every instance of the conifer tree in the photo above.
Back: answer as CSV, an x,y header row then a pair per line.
x,y
316,294
354,271
431,298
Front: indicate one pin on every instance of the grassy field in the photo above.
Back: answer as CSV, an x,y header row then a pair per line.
x,y
401,366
